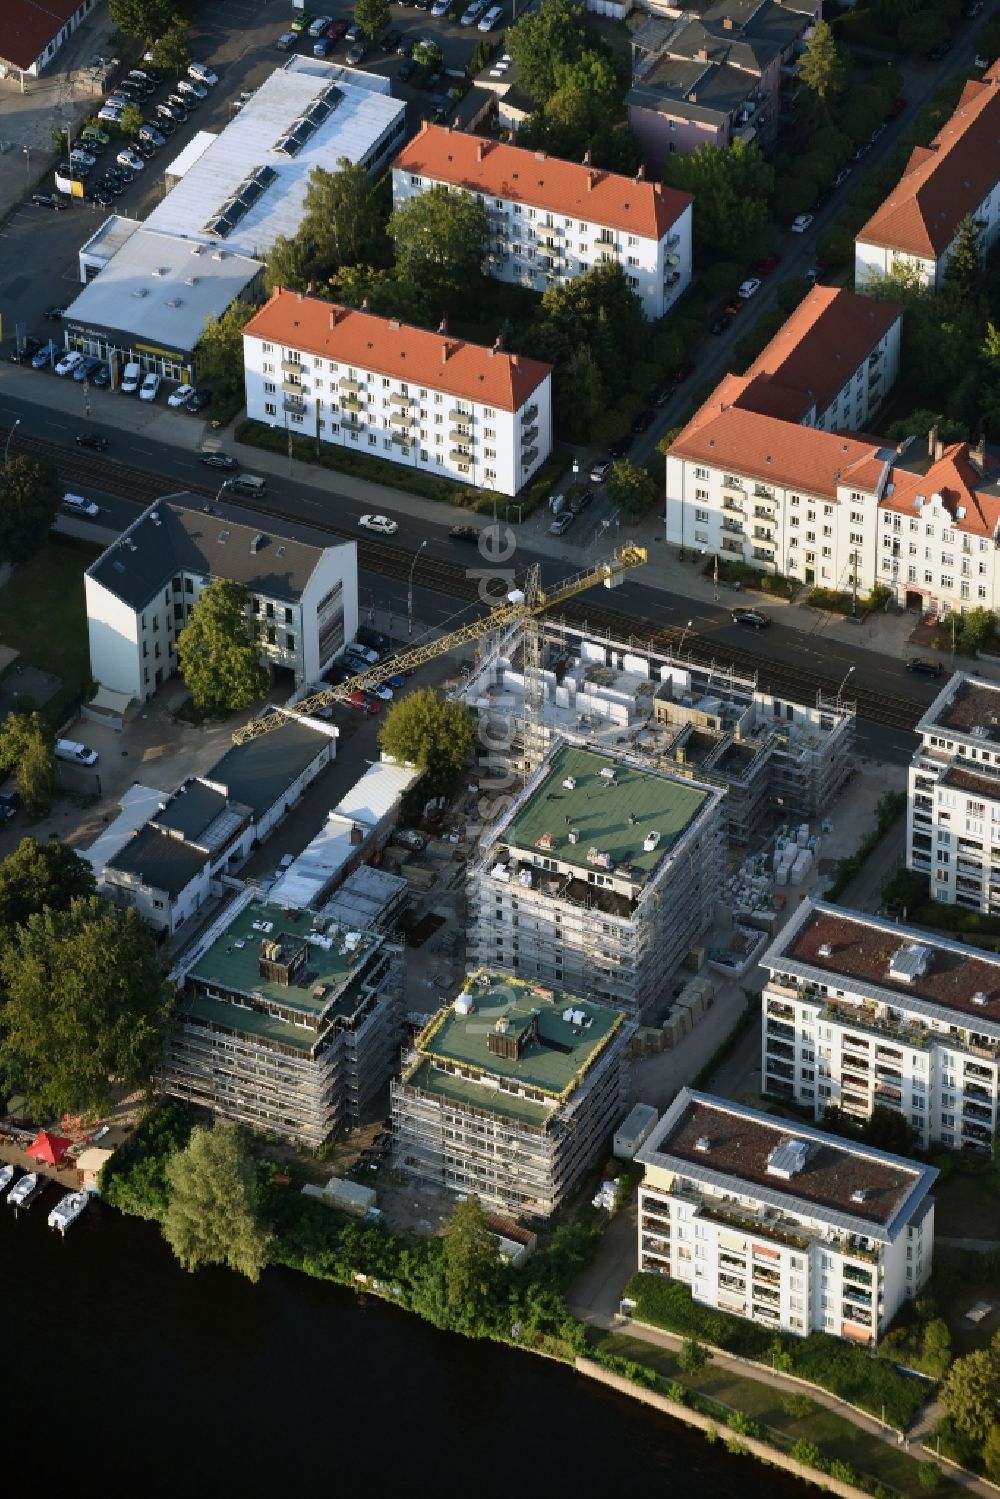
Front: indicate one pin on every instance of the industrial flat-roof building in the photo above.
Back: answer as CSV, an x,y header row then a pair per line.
x,y
780,1223
862,1012
302,585
601,876
286,1023
511,1092
204,245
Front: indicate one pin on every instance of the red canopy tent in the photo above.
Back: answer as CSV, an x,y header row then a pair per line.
x,y
50,1148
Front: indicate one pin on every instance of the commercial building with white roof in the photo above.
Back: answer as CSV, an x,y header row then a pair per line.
x,y
204,245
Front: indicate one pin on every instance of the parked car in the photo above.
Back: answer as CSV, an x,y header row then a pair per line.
x,y
198,400
183,102
182,394
600,471
364,655
8,804
86,368
471,16
923,667
286,41
131,376
981,60
101,376
45,200
407,68
303,22
580,501
147,75
749,288
381,524
643,420
354,32
78,505
165,123
92,133
492,18
879,129
751,618
663,395
45,356
381,692
621,447
110,113
768,264
319,25
562,523
841,177
89,150
69,362
323,47
337,29
862,150
130,159
440,7
372,640
143,149
152,136
801,223
972,9
192,93
72,750
218,460
113,187
896,108
356,54
941,50
96,441
203,74
362,702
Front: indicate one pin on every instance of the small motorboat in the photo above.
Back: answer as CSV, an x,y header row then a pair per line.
x,y
66,1212
6,1177
21,1191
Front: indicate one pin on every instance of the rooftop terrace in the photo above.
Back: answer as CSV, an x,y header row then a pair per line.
x,y
966,705
625,818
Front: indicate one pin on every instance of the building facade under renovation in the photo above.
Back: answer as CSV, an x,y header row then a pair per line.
x,y
601,876
287,1023
511,1092
773,756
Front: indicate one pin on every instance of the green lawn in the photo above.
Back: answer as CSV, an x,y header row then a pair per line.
x,y
43,615
835,1436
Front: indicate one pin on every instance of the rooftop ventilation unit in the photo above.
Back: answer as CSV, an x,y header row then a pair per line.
x,y
257,542
140,291
980,998
787,1159
223,536
570,783
608,773
909,962
174,302
703,1143
196,249
860,1194
825,950
574,835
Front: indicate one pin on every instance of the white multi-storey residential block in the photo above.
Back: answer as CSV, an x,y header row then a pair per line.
x,y
953,796
860,1012
956,176
782,1224
552,220
428,400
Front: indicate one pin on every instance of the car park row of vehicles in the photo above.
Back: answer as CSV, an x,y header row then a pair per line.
x,y
51,355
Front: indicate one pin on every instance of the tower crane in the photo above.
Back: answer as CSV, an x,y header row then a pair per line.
x,y
519,604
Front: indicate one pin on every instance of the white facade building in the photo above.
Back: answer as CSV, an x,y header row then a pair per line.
x,y
862,1012
433,402
140,591
782,1224
552,220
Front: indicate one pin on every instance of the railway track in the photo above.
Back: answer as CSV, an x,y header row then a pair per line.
x,y
76,469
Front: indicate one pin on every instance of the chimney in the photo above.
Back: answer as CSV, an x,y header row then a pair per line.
x,y
703,54
298,296
728,24
443,324
591,179
938,449
977,454
310,287
480,150
513,360
334,313
932,438
365,305
498,345
640,175
586,157
445,351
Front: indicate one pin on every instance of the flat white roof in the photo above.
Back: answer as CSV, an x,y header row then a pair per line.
x,y
138,805
377,792
305,879
109,238
193,151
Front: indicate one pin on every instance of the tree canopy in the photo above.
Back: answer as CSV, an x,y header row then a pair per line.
x,y
219,354
27,753
544,42
172,49
216,651
342,225
144,19
29,498
441,241
41,876
732,186
372,16
971,1392
471,1260
427,731
84,1006
821,68
630,488
211,1216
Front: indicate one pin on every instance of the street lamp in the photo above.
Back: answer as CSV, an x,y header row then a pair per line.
x,y
27,165
843,684
10,434
680,648
576,468
409,589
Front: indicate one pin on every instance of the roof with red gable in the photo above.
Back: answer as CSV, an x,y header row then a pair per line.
x,y
727,435
962,488
28,27
360,339
945,180
50,1148
569,188
820,346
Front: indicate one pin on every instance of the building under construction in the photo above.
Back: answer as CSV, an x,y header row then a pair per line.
x,y
775,757
602,875
287,1023
511,1093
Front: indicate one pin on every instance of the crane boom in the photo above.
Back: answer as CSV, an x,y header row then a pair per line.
x,y
517,606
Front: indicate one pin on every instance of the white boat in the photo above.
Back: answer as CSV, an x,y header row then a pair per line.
x,y
67,1211
6,1177
22,1190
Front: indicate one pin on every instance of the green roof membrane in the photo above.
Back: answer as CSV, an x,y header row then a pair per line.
x,y
467,1094
258,1023
612,816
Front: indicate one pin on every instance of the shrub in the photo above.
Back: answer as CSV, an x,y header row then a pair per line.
x,y
808,1454
798,1405
929,1475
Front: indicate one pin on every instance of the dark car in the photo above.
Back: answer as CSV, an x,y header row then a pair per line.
x,y
683,371
92,147
896,108
93,440
165,122
45,200
941,50
663,395
336,29
355,32
338,673
404,48
26,353
112,186
719,326
643,420
101,376
198,400
924,667
620,447
464,533
101,195
145,149
752,618
580,501
407,68
374,640
218,460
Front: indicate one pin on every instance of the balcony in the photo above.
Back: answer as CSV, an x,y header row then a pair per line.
x,y
528,415
973,1069
400,419
782,1011
294,405
979,1113
857,1276
346,383
529,434
292,387
782,1050
459,417
862,1017
729,502
730,483
398,399
291,366
461,457
779,1028
732,546
352,403
528,457
351,423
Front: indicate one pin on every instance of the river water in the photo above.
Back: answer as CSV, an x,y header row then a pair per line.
x,y
129,1376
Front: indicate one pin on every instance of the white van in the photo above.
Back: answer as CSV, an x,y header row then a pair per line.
x,y
131,375
79,505
75,752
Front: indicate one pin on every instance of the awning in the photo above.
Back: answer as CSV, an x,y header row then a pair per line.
x,y
50,1148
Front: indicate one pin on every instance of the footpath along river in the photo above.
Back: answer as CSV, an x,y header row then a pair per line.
x,y
129,1376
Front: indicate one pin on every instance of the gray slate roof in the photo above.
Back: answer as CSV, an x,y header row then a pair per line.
x,y
162,862
258,772
191,809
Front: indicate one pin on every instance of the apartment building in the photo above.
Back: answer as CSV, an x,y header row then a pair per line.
x,y
783,1224
860,1012
286,1023
771,755
956,176
511,1092
953,796
302,587
552,220
601,875
714,75
433,402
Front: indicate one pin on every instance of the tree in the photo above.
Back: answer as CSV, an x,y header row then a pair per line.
x,y
372,16
821,68
342,218
428,54
425,730
919,423
471,1259
131,121
289,263
929,1475
693,1356
441,241
732,186
144,19
29,498
85,1006
964,272
211,1218
41,876
630,488
971,1391
27,753
218,656
543,41
922,31
991,1453
219,354
172,52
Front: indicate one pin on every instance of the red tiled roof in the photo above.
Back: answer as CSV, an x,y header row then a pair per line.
x,y
819,347
563,187
361,339
27,27
946,180
961,487
727,436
